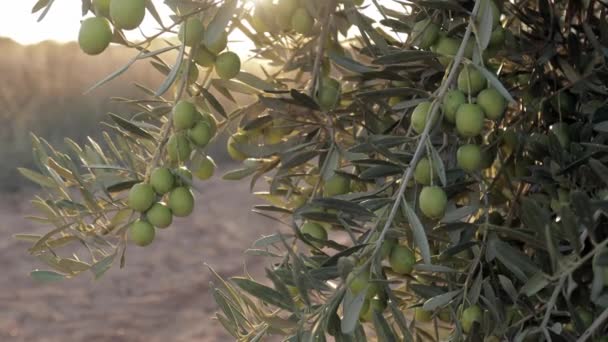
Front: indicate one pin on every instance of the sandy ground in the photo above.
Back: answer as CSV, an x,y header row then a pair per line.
x,y
161,295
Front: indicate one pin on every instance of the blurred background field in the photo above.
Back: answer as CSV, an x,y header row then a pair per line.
x,y
163,292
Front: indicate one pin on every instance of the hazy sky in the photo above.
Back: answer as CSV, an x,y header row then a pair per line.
x,y
60,24
63,21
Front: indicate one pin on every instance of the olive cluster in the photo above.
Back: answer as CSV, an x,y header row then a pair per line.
x,y
96,32
466,107
208,49
167,193
284,16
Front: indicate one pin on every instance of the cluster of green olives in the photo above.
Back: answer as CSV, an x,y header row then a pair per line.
x,y
96,33
428,35
466,107
208,49
191,129
285,16
147,198
167,193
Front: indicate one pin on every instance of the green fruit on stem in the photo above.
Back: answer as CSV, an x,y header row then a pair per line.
x,y
469,120
370,306
402,259
101,8
432,202
420,116
425,33
184,115
127,14
227,65
218,43
336,185
316,231
422,315
95,35
191,31
159,215
358,280
447,48
470,80
204,57
141,197
200,134
192,72
178,148
452,100
162,180
210,120
142,233
233,151
181,201
387,247
424,172
183,176
469,157
205,168
329,93
470,315
492,103
302,22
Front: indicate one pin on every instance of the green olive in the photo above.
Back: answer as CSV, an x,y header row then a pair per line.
x,y
492,103
424,172
469,120
432,202
470,80
191,31
205,168
162,180
336,185
402,259
179,148
181,201
469,157
141,197
127,14
452,100
425,33
159,215
184,115
316,231
227,65
142,233
95,35
420,116
470,315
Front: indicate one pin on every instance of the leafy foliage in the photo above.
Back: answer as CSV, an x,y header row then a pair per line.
x,y
512,248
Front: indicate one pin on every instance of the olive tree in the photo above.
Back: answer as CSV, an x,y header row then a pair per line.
x,y
440,174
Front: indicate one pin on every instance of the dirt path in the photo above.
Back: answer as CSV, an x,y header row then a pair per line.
x,y
162,293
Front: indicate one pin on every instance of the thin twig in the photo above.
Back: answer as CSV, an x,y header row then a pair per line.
x,y
331,6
